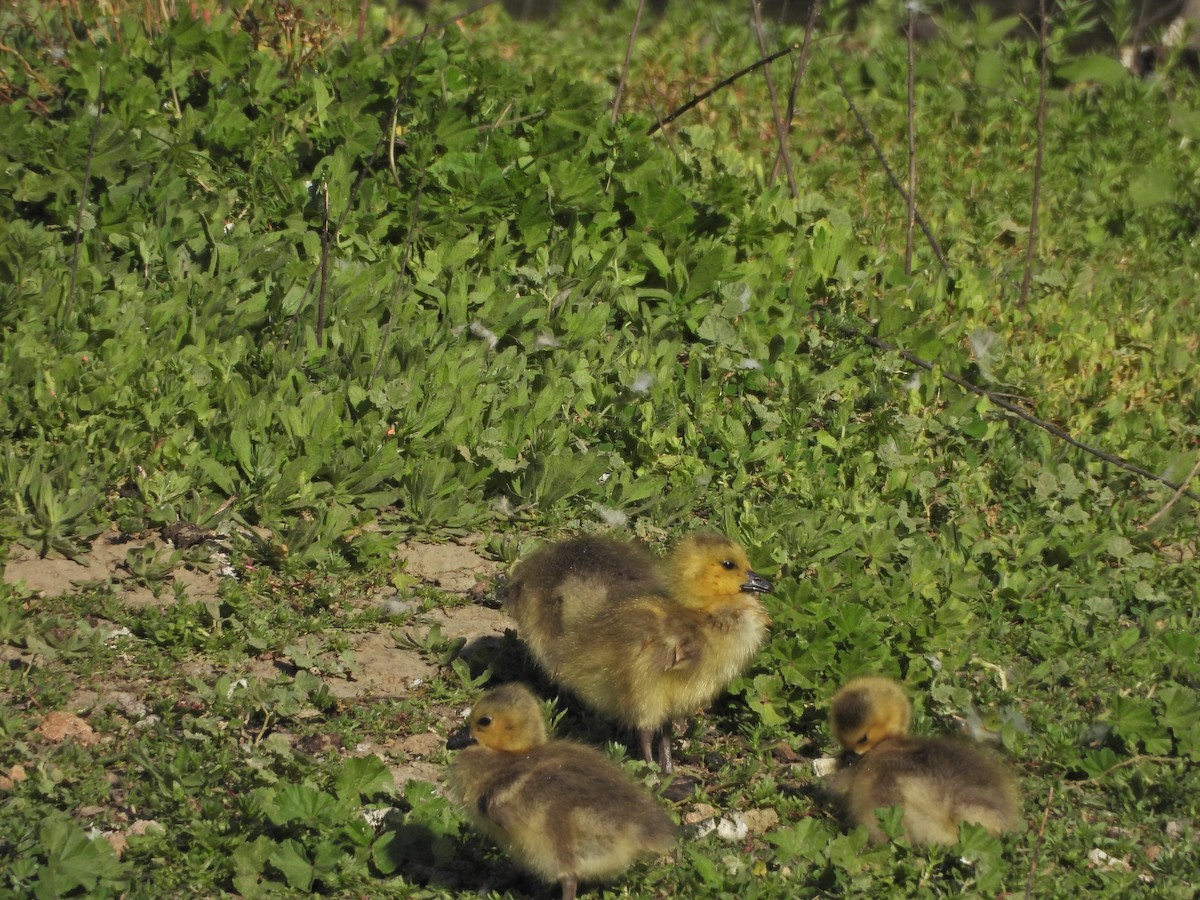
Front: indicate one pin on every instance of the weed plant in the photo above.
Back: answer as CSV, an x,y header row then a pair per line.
x,y
319,293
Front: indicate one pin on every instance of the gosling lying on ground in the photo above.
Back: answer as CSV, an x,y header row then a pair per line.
x,y
641,642
938,782
561,810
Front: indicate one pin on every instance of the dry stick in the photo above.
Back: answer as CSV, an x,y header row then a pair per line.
x,y
723,83
666,134
83,194
780,128
801,66
444,24
408,242
1162,512
637,23
1037,159
1015,410
1037,847
912,142
862,123
324,265
390,137
362,19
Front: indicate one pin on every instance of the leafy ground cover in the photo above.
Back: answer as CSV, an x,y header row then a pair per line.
x,y
306,337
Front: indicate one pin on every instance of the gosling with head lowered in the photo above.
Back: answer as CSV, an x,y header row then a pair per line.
x,y
561,810
937,782
643,642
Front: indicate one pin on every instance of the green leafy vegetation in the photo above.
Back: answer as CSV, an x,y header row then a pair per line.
x,y
312,296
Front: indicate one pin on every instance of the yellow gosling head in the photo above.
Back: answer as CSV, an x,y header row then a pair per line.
x,y
710,568
507,718
868,710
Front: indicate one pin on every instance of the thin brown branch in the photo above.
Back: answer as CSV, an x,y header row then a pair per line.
x,y
1037,846
1174,497
388,139
666,134
1133,761
324,264
780,126
413,215
862,123
83,197
1013,409
637,23
912,141
444,24
30,71
720,85
801,67
1031,246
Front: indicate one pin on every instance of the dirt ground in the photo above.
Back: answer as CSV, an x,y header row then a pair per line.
x,y
380,665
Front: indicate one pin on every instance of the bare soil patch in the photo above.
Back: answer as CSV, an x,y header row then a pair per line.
x,y
104,563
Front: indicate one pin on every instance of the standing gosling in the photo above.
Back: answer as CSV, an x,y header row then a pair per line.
x,y
562,585
561,810
938,782
642,643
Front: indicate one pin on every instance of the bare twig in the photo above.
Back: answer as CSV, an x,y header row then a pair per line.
x,y
723,83
83,197
637,23
1037,846
780,125
1133,761
413,215
862,123
801,67
444,24
388,138
1174,497
1015,410
1043,38
324,265
912,141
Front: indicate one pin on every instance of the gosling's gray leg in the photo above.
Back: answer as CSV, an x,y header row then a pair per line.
x,y
664,749
643,736
569,885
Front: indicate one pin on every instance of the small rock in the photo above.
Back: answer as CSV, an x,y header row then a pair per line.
x,y
117,841
58,726
824,766
732,827
1099,858
760,820
699,813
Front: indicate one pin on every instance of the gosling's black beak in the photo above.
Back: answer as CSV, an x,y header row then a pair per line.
x,y
461,738
756,584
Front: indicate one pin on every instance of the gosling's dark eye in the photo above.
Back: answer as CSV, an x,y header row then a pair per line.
x,y
485,721
863,739
728,565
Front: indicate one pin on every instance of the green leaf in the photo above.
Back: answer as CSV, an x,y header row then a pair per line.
x,y
1185,120
657,258
363,776
989,69
1102,69
73,860
806,840
301,802
291,860
1118,546
1152,187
